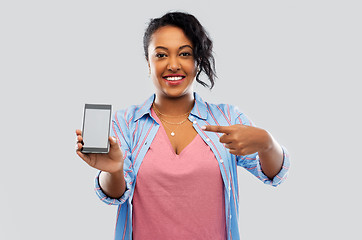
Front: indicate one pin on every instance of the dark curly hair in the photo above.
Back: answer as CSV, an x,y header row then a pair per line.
x,y
198,36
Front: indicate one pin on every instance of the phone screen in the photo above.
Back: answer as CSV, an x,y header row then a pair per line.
x,y
96,124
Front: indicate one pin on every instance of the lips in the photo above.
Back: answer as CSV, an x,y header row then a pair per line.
x,y
174,79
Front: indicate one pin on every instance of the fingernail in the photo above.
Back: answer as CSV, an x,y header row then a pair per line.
x,y
76,146
203,127
114,139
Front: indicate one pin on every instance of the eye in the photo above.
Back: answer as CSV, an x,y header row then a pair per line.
x,y
160,55
185,54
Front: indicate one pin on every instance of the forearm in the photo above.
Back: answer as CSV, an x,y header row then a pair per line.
x,y
271,159
113,184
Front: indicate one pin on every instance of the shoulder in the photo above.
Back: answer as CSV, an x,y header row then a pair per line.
x,y
125,114
218,113
229,111
130,113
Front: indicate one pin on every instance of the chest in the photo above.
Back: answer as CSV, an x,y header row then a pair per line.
x,y
180,132
181,137
179,144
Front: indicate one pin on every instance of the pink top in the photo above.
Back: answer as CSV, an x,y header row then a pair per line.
x,y
178,196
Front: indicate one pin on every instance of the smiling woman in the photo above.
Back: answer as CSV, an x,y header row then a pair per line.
x,y
171,63
182,151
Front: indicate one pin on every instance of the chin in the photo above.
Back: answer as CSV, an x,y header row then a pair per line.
x,y
177,93
173,91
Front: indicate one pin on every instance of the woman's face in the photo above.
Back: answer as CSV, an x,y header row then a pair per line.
x,y
171,62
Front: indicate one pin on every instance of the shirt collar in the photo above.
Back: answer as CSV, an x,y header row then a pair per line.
x,y
199,110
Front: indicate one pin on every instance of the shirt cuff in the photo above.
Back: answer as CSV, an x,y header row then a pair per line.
x,y
281,176
109,200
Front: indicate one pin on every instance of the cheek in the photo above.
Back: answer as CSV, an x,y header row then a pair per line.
x,y
192,66
156,72
156,68
192,69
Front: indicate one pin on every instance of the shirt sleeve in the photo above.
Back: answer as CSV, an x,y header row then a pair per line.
x,y
121,132
252,163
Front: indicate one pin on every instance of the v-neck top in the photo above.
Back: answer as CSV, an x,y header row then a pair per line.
x,y
187,189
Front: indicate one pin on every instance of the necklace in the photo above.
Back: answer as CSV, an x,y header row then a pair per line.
x,y
163,120
154,106
172,132
179,123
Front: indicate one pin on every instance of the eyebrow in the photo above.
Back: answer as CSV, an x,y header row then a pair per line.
x,y
165,48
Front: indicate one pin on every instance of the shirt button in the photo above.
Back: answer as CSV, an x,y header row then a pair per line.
x,y
230,216
192,118
221,160
208,139
195,122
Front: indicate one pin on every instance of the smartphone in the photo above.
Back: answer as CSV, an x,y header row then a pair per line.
x,y
96,127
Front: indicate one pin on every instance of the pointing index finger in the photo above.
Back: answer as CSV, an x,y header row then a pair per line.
x,y
219,129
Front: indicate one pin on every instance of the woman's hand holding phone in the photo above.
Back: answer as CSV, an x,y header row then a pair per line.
x,y
110,162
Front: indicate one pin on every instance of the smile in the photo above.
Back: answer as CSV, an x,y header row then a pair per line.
x,y
173,78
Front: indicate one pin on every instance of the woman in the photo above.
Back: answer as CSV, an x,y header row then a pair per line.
x,y
182,151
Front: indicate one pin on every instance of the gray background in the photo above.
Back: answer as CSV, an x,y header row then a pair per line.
x,y
293,67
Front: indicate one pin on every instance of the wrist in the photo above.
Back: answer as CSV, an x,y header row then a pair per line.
x,y
116,172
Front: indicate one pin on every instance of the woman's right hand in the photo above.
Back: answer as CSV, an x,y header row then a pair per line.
x,y
111,162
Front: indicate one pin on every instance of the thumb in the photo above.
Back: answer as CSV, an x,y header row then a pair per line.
x,y
113,141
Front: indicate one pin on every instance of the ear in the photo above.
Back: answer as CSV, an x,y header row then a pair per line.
x,y
198,63
197,68
149,68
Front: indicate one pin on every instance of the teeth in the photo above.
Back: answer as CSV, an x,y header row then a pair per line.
x,y
173,78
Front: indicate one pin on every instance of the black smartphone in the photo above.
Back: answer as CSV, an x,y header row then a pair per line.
x,y
96,126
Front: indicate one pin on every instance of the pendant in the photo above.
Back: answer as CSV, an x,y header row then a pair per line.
x,y
172,134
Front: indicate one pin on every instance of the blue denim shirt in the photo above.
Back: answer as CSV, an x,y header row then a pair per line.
x,y
135,129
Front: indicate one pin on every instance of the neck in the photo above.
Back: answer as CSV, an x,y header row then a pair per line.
x,y
174,106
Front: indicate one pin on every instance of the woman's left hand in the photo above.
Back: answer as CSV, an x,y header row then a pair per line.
x,y
242,139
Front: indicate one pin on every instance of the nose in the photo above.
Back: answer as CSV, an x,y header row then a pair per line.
x,y
173,64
